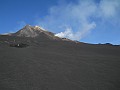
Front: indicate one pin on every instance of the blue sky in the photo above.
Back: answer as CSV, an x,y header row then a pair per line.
x,y
91,21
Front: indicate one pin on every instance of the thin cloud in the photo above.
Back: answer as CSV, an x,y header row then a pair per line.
x,y
76,20
109,8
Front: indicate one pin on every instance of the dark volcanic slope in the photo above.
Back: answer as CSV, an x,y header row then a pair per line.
x,y
58,65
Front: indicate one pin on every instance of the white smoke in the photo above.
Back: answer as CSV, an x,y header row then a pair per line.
x,y
79,19
109,8
68,33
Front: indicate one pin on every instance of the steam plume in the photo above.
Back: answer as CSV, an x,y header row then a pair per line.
x,y
76,20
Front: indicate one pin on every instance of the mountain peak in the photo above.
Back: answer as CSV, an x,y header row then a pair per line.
x,y
34,31
27,26
34,27
28,31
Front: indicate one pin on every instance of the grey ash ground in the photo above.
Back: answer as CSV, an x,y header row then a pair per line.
x,y
51,63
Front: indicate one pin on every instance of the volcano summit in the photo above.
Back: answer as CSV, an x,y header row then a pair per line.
x,y
48,62
34,31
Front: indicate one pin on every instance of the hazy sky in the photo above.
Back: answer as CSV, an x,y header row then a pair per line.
x,y
92,21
